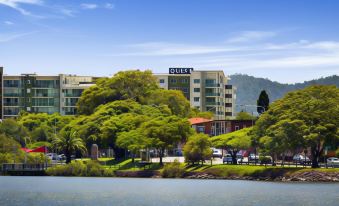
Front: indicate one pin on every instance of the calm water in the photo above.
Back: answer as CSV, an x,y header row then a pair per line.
x,y
160,192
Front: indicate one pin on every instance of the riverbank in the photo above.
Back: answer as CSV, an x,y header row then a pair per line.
x,y
127,168
235,172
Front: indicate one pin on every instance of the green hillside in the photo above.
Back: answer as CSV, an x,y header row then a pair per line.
x,y
249,87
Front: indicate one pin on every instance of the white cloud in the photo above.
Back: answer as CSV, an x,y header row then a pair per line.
x,y
8,23
67,12
109,6
247,36
172,49
15,4
88,6
13,36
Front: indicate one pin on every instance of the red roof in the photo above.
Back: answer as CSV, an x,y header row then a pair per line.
x,y
199,120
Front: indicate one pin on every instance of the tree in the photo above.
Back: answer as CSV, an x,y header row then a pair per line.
x,y
284,136
69,142
263,102
134,84
174,99
244,116
133,140
15,130
197,148
166,132
233,142
314,109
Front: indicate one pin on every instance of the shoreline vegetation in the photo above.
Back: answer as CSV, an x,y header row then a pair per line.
x,y
127,168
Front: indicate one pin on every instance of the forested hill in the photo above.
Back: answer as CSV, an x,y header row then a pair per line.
x,y
249,87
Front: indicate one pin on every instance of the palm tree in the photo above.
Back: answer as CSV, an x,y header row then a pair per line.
x,y
69,142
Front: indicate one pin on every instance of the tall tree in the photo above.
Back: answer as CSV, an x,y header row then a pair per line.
x,y
315,108
133,140
69,142
166,132
263,102
134,84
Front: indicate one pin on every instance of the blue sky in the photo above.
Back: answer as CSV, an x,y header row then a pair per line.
x,y
286,41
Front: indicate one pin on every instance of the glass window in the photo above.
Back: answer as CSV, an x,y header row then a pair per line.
x,y
173,81
162,81
196,89
196,81
196,99
185,90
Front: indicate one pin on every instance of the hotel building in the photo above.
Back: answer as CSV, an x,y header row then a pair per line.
x,y
206,90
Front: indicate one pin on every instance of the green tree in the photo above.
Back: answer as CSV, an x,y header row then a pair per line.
x,y
263,102
197,149
233,142
173,99
15,130
166,132
244,116
69,142
315,108
133,140
136,85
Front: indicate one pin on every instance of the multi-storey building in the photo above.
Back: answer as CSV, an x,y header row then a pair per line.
x,y
206,90
47,94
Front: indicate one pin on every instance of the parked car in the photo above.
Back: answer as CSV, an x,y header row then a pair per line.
x,y
52,156
217,153
240,158
252,158
333,161
62,157
301,159
227,159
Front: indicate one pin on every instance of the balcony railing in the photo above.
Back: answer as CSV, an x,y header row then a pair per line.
x,y
212,94
212,85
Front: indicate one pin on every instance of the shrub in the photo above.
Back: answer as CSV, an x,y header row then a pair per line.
x,y
79,168
173,170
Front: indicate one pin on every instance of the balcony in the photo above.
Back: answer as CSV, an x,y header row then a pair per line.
x,y
212,85
212,94
212,103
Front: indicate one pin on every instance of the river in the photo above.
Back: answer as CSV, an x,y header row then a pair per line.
x,y
160,192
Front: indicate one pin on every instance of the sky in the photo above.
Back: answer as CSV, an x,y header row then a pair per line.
x,y
286,41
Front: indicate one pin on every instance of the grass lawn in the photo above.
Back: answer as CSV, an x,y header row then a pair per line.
x,y
220,170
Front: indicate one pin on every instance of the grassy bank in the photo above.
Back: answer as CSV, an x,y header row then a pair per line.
x,y
127,168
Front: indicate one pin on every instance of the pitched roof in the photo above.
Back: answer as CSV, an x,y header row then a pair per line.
x,y
198,120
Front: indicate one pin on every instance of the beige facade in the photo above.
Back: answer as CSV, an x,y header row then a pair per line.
x,y
206,90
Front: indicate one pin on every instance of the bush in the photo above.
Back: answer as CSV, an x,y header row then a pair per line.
x,y
79,168
197,148
173,170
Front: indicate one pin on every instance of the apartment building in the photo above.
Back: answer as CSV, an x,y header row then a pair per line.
x,y
47,94
206,90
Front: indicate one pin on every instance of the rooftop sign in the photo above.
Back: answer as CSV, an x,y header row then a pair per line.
x,y
180,70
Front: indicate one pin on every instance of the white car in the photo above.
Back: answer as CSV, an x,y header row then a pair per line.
x,y
217,153
333,161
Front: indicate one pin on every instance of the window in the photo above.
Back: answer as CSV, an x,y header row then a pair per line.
x,y
185,90
173,81
196,81
228,86
228,95
162,81
236,128
196,89
196,99
185,81
28,91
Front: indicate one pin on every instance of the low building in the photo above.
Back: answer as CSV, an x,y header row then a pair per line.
x,y
218,127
